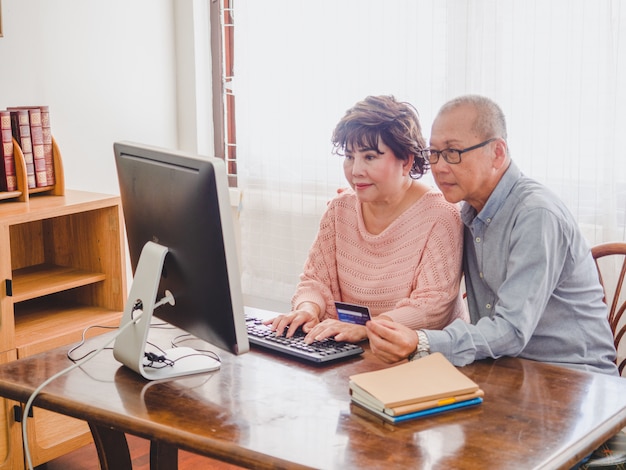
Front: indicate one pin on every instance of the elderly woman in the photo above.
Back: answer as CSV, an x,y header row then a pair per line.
x,y
390,242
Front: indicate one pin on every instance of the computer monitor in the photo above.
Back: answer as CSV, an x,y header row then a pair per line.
x,y
181,243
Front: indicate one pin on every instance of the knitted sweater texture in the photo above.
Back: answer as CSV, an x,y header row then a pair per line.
x,y
410,272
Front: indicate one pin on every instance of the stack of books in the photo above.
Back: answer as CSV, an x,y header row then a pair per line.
x,y
29,128
415,389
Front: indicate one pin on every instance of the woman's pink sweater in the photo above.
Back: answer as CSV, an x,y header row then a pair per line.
x,y
410,272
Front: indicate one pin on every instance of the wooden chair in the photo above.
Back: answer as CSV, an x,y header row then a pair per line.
x,y
617,305
612,453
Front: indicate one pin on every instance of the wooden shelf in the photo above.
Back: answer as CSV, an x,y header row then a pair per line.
x,y
62,270
23,192
10,195
43,279
47,323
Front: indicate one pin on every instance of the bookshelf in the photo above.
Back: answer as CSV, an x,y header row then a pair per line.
x,y
23,192
62,269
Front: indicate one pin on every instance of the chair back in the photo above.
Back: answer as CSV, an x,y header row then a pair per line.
x,y
610,260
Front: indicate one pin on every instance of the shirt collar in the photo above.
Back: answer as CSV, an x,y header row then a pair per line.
x,y
496,199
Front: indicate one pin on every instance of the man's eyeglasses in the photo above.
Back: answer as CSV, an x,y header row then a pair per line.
x,y
451,156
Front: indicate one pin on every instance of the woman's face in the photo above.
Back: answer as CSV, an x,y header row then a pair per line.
x,y
376,175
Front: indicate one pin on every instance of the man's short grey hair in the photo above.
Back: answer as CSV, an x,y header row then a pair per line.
x,y
490,121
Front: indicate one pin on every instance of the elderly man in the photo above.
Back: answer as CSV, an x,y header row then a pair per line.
x,y
532,286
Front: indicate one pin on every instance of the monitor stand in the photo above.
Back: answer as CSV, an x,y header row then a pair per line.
x,y
130,345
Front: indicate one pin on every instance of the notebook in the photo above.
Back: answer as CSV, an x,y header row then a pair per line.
x,y
426,386
422,413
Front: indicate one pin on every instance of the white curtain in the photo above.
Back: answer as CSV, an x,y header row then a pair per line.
x,y
557,68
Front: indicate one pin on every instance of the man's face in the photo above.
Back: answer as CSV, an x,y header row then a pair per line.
x,y
470,180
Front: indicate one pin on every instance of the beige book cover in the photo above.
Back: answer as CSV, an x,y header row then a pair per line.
x,y
429,378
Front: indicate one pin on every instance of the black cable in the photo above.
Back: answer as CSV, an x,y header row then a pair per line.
x,y
82,342
155,361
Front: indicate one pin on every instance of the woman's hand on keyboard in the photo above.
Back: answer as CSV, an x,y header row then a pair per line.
x,y
303,317
338,330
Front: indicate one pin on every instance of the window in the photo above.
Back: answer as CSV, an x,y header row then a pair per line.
x,y
557,69
222,47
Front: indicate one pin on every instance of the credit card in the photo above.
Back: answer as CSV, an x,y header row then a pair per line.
x,y
350,313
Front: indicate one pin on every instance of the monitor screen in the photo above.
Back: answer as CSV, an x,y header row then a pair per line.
x,y
181,202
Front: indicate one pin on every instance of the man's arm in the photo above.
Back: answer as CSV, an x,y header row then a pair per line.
x,y
508,317
510,301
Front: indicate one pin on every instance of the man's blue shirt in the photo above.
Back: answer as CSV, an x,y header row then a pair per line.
x,y
532,285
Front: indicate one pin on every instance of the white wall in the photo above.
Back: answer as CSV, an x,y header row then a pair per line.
x,y
108,71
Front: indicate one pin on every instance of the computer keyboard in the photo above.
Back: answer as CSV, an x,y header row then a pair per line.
x,y
318,351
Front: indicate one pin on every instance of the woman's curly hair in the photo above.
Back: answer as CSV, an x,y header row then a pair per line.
x,y
383,117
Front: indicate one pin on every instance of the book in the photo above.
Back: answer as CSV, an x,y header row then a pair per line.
x,y
8,179
20,126
36,135
404,409
48,156
47,144
423,413
429,378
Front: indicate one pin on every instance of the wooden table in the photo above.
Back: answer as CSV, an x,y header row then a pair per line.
x,y
264,411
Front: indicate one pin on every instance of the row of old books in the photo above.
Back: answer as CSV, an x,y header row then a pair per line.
x,y
416,389
29,127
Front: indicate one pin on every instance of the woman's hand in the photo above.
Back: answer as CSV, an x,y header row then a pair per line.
x,y
305,316
340,331
390,341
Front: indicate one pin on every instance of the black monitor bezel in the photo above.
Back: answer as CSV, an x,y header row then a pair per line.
x,y
182,201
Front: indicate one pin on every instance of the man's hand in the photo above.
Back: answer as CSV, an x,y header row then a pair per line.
x,y
390,341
